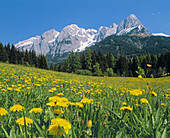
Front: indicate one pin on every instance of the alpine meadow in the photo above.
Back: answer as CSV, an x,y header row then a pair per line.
x,y
41,103
84,69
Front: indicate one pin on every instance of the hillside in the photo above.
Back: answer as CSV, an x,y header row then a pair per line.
x,y
133,45
35,102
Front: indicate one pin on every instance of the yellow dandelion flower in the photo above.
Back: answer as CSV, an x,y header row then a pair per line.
x,y
3,111
163,104
36,110
62,104
125,108
51,104
60,94
9,88
136,92
140,76
77,104
86,100
54,89
55,129
89,124
50,90
17,108
154,93
124,103
144,100
137,105
148,65
59,112
20,121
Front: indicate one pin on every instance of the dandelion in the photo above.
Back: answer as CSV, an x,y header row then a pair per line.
x,y
9,88
17,108
59,112
140,76
86,100
77,104
154,94
51,104
137,105
125,108
136,92
148,65
3,111
144,100
124,103
55,129
60,94
20,121
36,110
89,124
50,91
163,104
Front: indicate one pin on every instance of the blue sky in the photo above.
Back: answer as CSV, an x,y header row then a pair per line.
x,y
22,19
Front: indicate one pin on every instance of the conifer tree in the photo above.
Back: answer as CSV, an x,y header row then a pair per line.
x,y
88,59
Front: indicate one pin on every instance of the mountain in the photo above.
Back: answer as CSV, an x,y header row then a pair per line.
x,y
133,45
41,44
131,25
73,38
161,34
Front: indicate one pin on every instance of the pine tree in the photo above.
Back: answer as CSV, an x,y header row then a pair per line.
x,y
88,60
94,58
3,53
13,55
51,66
76,62
97,70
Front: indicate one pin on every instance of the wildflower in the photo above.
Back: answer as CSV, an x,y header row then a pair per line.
x,y
144,100
54,89
163,104
3,111
60,94
148,65
126,108
50,91
86,100
58,112
36,110
154,93
136,92
124,103
77,104
9,88
20,121
140,76
62,104
17,108
89,124
51,104
137,105
55,129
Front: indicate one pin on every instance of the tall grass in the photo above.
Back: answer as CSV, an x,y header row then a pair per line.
x,y
32,88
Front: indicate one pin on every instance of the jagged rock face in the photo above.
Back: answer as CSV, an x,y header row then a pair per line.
x,y
41,44
131,25
74,38
103,32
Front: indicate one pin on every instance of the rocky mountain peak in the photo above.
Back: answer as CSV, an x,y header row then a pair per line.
x,y
129,23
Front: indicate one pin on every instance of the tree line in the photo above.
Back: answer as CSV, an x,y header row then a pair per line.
x,y
99,64
10,54
92,62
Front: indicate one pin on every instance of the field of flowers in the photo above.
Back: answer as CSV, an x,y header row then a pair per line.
x,y
40,103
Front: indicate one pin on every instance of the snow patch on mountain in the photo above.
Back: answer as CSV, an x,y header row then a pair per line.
x,y
160,34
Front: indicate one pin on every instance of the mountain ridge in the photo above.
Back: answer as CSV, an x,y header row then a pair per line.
x,y
73,38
